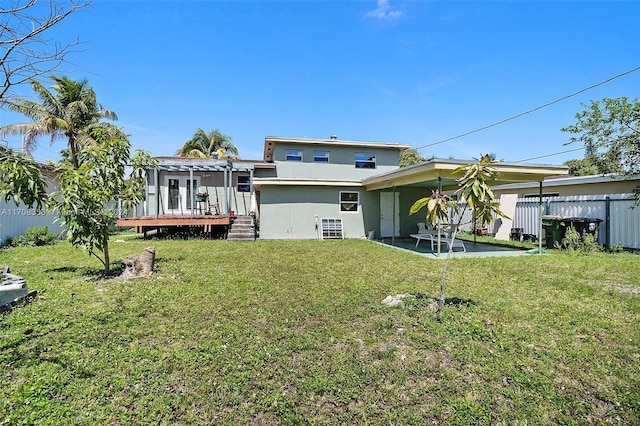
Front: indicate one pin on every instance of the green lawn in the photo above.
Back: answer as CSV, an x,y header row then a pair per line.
x,y
294,333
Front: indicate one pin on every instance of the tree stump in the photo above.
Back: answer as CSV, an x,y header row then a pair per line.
x,y
139,266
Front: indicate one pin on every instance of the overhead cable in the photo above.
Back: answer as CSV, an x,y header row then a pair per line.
x,y
531,110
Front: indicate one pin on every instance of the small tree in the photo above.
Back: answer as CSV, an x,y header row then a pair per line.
x,y
87,196
474,193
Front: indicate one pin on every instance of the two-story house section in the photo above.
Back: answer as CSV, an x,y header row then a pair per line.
x,y
316,191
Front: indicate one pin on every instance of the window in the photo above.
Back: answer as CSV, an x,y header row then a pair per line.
x,y
331,229
174,194
365,160
349,201
294,155
192,187
321,156
244,184
544,195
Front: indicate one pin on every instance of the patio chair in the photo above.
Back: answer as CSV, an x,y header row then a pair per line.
x,y
422,228
432,236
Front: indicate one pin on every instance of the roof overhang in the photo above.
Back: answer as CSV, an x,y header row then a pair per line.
x,y
187,165
259,182
271,141
574,180
439,173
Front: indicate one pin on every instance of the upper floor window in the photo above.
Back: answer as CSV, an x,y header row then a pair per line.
x,y
365,160
294,155
244,183
321,156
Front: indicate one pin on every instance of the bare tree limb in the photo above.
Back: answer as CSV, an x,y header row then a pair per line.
x,y
25,51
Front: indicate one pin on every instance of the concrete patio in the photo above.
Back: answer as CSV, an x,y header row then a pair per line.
x,y
472,249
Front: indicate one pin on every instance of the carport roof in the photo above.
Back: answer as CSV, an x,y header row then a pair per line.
x,y
429,174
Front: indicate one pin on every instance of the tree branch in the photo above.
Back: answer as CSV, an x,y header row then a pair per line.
x,y
27,53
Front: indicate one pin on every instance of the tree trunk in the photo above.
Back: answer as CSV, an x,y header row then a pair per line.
x,y
105,251
139,266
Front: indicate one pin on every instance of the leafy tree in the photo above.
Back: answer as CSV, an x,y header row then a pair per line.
x,y
409,157
96,171
204,145
85,201
26,53
583,167
70,111
610,132
21,179
474,192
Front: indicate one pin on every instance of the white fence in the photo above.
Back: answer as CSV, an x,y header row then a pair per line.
x,y
620,222
14,220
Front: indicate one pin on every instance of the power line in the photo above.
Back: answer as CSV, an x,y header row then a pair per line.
x,y
550,155
531,110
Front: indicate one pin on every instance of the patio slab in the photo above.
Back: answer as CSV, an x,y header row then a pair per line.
x,y
473,249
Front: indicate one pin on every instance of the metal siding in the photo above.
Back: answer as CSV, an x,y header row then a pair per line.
x,y
625,224
15,220
527,215
624,221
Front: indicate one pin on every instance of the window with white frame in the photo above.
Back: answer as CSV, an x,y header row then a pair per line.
x,y
365,160
544,195
321,156
332,229
349,201
244,183
294,155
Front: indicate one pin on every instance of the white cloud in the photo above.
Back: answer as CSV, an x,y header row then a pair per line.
x,y
384,11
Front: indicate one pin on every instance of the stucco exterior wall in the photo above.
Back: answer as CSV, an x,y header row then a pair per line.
x,y
341,165
289,212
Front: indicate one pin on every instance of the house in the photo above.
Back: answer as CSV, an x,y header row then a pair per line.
x,y
323,188
316,188
306,189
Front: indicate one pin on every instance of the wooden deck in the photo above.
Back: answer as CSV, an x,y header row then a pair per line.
x,y
144,224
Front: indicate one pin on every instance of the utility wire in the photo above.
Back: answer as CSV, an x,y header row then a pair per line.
x,y
550,155
531,110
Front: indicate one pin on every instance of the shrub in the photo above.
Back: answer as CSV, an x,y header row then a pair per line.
x,y
38,236
584,244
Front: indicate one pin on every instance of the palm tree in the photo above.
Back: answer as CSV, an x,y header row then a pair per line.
x,y
70,110
204,145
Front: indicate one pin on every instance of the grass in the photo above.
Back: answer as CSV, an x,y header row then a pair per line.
x,y
294,333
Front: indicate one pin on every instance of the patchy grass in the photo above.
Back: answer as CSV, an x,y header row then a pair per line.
x,y
294,333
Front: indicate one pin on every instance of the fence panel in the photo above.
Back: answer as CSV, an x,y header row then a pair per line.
x,y
14,220
623,225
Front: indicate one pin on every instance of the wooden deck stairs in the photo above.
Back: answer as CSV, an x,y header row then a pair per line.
x,y
242,229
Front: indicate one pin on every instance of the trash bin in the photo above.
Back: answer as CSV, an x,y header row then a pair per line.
x,y
554,229
584,225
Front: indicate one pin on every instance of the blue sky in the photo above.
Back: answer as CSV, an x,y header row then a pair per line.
x,y
413,72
